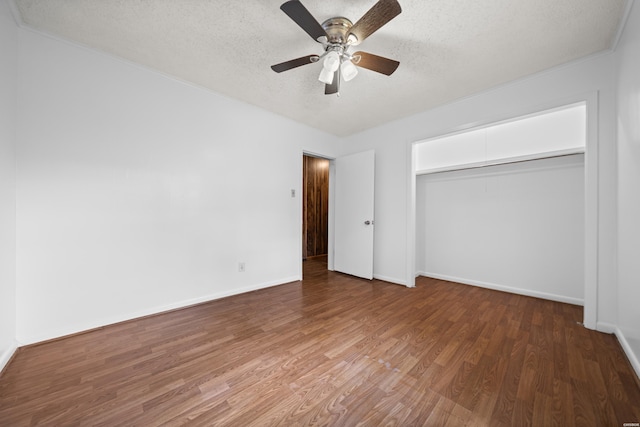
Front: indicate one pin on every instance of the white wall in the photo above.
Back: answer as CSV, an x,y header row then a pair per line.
x,y
554,132
8,77
514,227
138,193
555,87
629,184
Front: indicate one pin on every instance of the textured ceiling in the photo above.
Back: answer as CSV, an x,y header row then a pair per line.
x,y
447,49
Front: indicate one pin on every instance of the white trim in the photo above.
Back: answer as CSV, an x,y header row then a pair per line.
x,y
331,222
607,328
591,213
410,261
155,310
299,224
512,290
628,350
498,171
505,160
390,280
6,356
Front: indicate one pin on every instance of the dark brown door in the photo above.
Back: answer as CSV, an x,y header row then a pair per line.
x,y
315,206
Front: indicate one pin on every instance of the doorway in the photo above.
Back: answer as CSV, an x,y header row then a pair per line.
x,y
590,199
315,207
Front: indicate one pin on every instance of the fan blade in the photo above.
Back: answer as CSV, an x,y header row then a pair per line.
x,y
301,16
298,62
376,63
334,87
381,13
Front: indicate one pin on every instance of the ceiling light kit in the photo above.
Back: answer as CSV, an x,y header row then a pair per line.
x,y
337,35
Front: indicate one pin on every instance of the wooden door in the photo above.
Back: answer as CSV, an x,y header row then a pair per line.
x,y
315,206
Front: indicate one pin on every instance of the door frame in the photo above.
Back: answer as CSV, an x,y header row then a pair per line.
x,y
331,219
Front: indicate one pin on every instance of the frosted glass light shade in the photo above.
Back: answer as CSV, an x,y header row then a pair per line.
x,y
349,71
332,61
326,76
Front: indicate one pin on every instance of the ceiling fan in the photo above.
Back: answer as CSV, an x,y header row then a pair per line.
x,y
337,35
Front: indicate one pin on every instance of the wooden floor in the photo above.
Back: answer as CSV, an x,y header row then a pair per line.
x,y
332,350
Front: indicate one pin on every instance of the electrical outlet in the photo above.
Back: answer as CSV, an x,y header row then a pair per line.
x,y
293,192
241,267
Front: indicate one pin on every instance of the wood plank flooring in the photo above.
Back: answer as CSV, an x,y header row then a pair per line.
x,y
332,350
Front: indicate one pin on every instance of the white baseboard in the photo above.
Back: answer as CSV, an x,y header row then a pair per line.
x,y
632,354
495,287
390,279
607,328
6,356
33,339
634,358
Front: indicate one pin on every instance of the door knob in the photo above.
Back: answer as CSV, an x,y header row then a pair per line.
x,y
367,222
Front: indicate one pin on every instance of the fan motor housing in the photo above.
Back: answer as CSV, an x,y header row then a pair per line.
x,y
337,29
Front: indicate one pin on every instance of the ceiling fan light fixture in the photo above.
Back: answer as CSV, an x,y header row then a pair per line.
x,y
337,35
348,70
326,76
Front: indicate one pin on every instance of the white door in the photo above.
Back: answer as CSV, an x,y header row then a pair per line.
x,y
353,232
